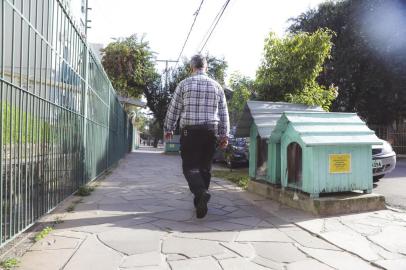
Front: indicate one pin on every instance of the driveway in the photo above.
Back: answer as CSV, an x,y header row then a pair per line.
x,y
393,186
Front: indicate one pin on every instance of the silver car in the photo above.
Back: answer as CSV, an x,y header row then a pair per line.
x,y
383,160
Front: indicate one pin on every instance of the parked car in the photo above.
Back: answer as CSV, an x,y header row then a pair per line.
x,y
383,160
235,154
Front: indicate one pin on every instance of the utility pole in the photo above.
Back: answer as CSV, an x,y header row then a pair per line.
x,y
166,69
87,21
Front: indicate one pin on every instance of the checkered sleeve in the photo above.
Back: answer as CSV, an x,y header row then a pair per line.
x,y
174,110
224,124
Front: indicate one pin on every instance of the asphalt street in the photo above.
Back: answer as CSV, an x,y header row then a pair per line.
x,y
393,186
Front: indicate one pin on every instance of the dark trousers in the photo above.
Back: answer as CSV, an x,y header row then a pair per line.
x,y
197,148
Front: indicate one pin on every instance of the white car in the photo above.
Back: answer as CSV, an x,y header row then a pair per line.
x,y
383,160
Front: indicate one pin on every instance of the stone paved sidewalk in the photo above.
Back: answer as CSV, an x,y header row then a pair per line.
x,y
141,216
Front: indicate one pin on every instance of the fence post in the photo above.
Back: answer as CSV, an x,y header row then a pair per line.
x,y
85,113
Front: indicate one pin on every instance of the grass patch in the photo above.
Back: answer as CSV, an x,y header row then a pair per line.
x,y
58,220
9,263
71,207
239,177
84,191
41,235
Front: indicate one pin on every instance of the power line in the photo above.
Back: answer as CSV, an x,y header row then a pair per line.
x,y
211,26
190,31
218,17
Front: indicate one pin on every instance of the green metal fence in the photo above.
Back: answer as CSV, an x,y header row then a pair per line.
x,y
60,120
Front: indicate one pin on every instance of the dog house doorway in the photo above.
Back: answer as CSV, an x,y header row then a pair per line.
x,y
294,159
262,158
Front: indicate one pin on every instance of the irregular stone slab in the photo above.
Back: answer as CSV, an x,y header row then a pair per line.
x,y
239,214
175,257
263,235
308,264
145,259
307,240
364,229
213,236
157,208
268,263
132,241
224,225
70,234
354,243
136,222
338,259
121,208
92,254
249,221
191,247
390,237
219,212
195,264
230,208
45,259
161,267
53,242
176,226
399,264
240,263
244,250
279,252
175,215
226,255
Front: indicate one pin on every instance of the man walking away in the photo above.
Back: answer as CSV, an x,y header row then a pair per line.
x,y
200,103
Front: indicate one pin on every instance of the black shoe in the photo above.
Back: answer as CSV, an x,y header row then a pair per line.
x,y
195,201
201,209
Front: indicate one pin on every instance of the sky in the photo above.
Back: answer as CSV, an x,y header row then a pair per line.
x,y
239,36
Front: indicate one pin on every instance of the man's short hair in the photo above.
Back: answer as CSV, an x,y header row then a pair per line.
x,y
198,61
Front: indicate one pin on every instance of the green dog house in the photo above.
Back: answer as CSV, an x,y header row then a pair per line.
x,y
257,122
173,146
324,152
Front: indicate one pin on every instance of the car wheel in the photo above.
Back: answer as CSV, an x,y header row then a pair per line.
x,y
378,177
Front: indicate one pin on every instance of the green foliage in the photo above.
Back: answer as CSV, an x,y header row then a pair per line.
x,y
42,234
129,65
242,92
58,220
139,119
291,66
70,208
9,263
84,191
239,177
21,126
368,60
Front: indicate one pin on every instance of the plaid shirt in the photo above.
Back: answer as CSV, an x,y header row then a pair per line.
x,y
198,100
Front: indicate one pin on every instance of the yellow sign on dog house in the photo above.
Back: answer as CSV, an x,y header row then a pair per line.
x,y
340,163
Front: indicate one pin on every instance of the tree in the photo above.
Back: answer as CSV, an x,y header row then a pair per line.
x,y
368,62
129,65
242,91
139,119
159,95
291,66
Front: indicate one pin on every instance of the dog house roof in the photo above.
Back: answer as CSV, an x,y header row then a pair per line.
x,y
265,116
325,128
